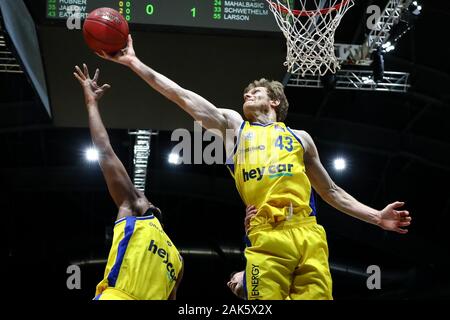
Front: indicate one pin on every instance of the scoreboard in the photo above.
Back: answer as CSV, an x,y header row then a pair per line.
x,y
246,15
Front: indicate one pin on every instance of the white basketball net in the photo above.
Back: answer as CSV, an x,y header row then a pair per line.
x,y
309,30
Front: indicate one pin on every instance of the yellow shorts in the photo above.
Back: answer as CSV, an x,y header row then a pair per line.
x,y
288,261
114,294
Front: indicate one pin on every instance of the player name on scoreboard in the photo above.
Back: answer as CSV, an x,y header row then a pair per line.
x,y
243,10
67,8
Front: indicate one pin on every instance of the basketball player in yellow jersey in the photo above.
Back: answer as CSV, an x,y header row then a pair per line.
x,y
143,263
276,169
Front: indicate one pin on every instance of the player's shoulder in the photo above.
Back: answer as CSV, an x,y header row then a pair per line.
x,y
233,117
304,137
302,134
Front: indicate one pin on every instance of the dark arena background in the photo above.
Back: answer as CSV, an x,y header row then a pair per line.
x,y
56,208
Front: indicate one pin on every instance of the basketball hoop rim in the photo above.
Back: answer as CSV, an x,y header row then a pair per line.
x,y
307,13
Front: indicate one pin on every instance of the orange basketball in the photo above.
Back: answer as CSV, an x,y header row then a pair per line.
x,y
105,29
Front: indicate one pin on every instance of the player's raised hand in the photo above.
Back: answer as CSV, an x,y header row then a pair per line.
x,y
92,91
124,56
394,220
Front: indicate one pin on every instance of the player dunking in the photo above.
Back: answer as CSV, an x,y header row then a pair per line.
x,y
287,253
143,263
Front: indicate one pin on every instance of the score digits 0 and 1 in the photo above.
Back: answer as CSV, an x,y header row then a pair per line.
x,y
150,9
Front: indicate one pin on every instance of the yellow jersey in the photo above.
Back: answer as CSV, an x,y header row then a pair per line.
x,y
143,263
268,167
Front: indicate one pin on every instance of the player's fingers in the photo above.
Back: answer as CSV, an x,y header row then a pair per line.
x,y
401,231
397,204
105,87
250,215
108,56
405,219
251,210
86,71
80,73
130,41
404,224
96,75
101,55
403,213
78,78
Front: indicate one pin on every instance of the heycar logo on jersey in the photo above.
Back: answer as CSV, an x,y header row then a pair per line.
x,y
165,256
273,171
254,148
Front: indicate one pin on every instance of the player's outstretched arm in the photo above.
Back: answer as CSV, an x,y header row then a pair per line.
x,y
119,184
197,106
389,218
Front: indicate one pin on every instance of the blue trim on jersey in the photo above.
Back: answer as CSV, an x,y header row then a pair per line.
x,y
120,220
245,285
261,124
230,163
230,166
296,137
312,203
146,217
122,248
97,297
247,241
151,216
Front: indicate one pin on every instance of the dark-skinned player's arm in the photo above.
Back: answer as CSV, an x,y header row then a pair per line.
x,y
198,107
119,183
388,218
173,294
